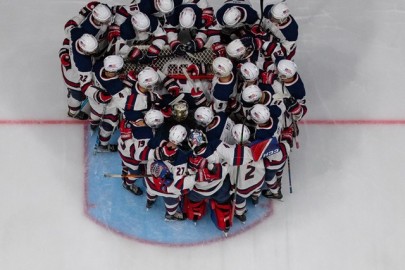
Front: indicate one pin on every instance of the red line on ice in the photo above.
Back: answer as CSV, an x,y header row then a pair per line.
x,y
304,122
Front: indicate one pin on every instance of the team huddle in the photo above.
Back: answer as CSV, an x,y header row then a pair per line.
x,y
210,134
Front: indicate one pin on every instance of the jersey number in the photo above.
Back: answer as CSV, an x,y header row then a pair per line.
x,y
250,172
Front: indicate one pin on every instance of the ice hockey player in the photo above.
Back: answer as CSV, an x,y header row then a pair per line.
x,y
170,178
248,178
138,144
106,116
223,83
215,126
139,29
233,16
283,26
212,160
93,19
82,50
188,31
289,83
143,97
75,97
275,163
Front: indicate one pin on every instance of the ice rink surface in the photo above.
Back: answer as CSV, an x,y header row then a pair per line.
x,y
346,211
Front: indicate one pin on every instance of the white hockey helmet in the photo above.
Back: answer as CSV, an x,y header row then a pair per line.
x,y
140,21
148,77
286,69
232,16
222,66
260,113
87,43
240,133
187,17
164,6
236,49
102,13
154,118
251,94
113,63
203,115
197,141
177,134
280,12
249,71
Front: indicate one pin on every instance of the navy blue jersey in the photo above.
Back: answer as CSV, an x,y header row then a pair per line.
x,y
296,88
83,62
290,30
111,85
249,15
128,32
215,132
173,19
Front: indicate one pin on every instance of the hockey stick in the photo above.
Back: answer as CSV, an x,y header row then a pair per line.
x,y
261,10
288,157
112,175
237,179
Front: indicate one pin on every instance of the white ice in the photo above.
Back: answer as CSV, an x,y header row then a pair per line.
x,y
346,211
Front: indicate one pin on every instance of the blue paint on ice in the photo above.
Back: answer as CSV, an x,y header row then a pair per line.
x,y
119,210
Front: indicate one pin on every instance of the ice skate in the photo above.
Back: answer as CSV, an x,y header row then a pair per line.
x,y
175,216
269,194
133,189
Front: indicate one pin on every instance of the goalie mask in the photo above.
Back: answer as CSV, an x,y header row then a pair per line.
x,y
154,118
240,133
203,116
286,69
260,114
148,78
177,134
113,63
251,94
279,13
180,111
140,21
102,13
249,72
232,17
197,141
187,18
222,67
87,43
236,49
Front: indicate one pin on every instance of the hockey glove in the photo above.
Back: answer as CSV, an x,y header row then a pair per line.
x,y
252,43
172,86
177,48
292,106
113,32
165,153
151,55
135,55
267,77
65,60
196,45
167,111
102,97
196,69
211,173
219,49
208,16
287,135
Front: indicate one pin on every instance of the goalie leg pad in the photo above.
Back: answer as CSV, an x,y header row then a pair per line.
x,y
221,215
194,210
